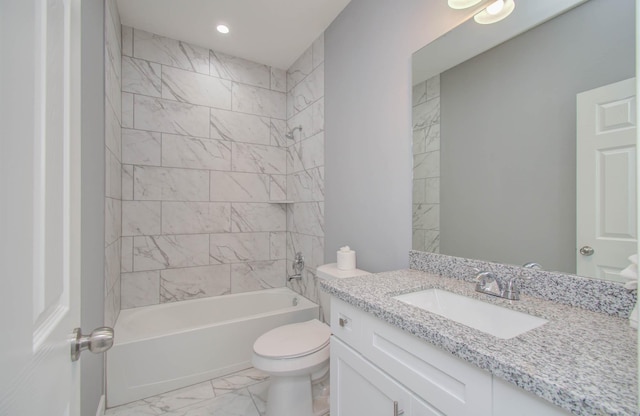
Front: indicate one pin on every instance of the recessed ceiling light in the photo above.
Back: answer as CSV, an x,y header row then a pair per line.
x,y
224,29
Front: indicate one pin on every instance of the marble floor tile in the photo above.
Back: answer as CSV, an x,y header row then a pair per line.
x,y
240,394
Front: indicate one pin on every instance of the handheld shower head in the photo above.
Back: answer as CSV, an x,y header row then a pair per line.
x,y
289,135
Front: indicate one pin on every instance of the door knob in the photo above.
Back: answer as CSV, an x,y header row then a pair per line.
x,y
587,251
100,340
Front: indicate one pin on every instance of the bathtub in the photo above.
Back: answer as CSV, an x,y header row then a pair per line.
x,y
164,347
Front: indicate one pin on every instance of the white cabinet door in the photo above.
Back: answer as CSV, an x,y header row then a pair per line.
x,y
359,388
606,180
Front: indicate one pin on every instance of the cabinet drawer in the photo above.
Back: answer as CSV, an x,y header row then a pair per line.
x,y
346,322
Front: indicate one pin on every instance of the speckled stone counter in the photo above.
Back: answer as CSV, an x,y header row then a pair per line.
x,y
582,361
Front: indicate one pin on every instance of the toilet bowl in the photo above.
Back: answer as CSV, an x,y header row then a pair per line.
x,y
296,355
293,356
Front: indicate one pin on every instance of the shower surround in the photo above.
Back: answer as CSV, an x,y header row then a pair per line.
x,y
205,161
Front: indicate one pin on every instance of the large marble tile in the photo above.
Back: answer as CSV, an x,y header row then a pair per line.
x,y
298,243
317,49
140,218
127,182
127,41
180,398
113,220
195,217
306,154
258,101
112,134
239,127
432,190
278,245
306,185
240,70
309,90
194,282
166,116
112,305
419,195
126,258
170,52
278,131
302,119
419,93
247,277
317,252
239,187
141,77
236,381
195,153
170,251
140,147
113,90
127,110
278,79
257,158
253,217
278,188
194,88
426,165
239,247
300,69
111,265
426,139
306,218
259,393
232,404
140,289
112,17
307,286
113,175
426,114
137,408
426,216
317,109
167,184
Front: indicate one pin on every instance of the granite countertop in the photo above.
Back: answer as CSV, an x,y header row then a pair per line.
x,y
582,361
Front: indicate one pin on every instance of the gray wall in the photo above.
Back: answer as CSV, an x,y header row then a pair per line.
x,y
508,163
92,301
368,163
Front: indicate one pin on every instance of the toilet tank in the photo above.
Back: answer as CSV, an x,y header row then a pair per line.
x,y
331,271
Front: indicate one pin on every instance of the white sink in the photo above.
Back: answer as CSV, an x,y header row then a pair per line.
x,y
494,320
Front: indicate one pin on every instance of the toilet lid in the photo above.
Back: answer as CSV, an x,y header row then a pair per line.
x,y
293,340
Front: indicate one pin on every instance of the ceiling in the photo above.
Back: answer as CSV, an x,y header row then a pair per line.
x,y
271,32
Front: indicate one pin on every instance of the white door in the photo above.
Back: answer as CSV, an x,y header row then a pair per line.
x,y
606,180
40,209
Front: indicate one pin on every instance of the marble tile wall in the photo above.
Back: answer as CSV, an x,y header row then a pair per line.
x,y
305,166
426,165
113,162
203,157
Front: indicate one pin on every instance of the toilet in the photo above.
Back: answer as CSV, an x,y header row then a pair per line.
x,y
296,355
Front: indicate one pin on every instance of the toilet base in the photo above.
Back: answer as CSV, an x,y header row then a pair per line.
x,y
281,392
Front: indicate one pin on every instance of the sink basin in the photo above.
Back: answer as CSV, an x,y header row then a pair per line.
x,y
494,320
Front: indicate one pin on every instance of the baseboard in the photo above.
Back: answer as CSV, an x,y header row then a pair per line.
x,y
101,407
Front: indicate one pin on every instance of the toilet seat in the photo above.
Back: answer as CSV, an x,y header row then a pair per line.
x,y
293,340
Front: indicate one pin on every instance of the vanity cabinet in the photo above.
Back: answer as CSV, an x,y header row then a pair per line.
x,y
374,364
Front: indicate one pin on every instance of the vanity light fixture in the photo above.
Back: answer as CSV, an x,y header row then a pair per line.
x,y
495,12
224,29
462,4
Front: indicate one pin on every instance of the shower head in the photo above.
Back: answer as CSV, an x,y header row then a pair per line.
x,y
290,134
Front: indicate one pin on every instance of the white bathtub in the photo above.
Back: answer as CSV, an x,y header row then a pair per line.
x,y
165,347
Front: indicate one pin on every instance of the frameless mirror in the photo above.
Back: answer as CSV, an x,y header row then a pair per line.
x,y
524,138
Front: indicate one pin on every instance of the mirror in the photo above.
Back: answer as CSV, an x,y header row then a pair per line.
x,y
495,138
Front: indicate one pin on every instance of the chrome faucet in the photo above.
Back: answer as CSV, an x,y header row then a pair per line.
x,y
493,285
